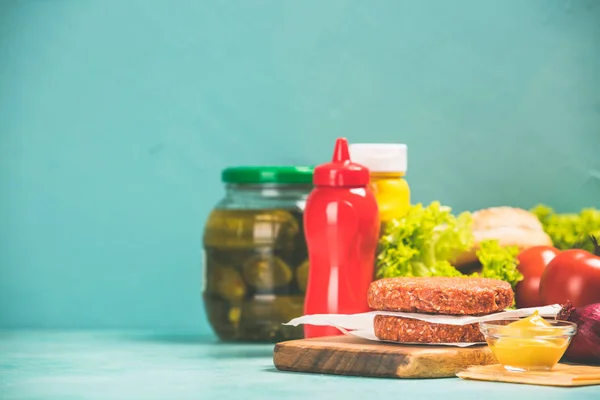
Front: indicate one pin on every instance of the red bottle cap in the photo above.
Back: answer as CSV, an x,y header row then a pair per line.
x,y
341,172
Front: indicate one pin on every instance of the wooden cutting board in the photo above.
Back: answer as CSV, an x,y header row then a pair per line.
x,y
561,375
348,355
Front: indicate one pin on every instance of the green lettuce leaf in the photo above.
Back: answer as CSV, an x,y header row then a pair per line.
x,y
571,230
499,262
423,242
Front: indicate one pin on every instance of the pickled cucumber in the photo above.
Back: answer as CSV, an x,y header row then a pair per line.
x,y
289,307
266,272
234,315
251,228
302,276
234,258
218,316
228,283
262,318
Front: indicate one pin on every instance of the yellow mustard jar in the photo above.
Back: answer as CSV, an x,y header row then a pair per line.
x,y
387,163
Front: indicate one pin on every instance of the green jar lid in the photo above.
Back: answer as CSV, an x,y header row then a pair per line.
x,y
267,174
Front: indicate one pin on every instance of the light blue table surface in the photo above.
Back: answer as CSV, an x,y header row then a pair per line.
x,y
135,365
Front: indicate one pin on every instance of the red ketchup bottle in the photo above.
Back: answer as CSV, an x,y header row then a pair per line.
x,y
341,225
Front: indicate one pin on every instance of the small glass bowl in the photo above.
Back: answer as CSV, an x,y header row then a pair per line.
x,y
528,349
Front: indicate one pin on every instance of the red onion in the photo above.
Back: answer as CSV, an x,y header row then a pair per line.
x,y
585,346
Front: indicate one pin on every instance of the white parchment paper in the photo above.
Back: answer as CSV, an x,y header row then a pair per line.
x,y
361,325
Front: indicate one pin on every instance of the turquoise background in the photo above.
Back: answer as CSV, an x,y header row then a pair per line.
x,y
117,116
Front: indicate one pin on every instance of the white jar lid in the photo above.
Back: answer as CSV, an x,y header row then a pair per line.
x,y
380,157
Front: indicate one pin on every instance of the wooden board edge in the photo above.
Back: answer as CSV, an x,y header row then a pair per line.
x,y
280,351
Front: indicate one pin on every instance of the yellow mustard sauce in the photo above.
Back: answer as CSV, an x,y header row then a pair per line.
x,y
529,344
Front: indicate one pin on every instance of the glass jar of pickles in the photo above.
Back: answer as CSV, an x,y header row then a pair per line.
x,y
255,255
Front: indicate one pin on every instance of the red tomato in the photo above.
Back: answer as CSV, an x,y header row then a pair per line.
x,y
532,263
573,275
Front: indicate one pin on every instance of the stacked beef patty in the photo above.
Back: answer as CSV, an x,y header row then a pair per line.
x,y
449,296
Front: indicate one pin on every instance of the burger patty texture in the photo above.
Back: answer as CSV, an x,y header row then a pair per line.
x,y
406,330
440,295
